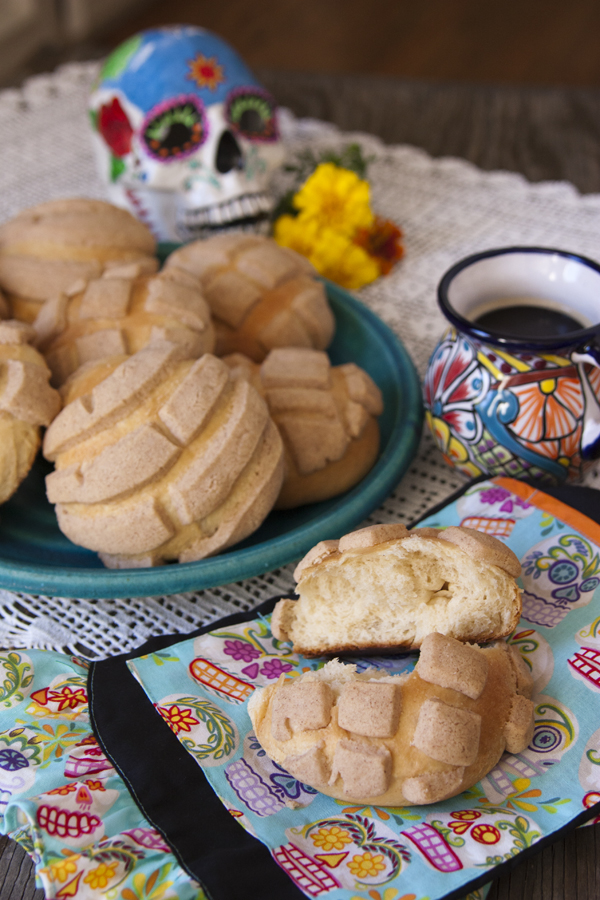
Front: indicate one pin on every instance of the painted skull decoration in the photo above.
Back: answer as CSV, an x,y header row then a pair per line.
x,y
186,138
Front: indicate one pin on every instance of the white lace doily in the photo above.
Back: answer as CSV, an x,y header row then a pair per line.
x,y
447,208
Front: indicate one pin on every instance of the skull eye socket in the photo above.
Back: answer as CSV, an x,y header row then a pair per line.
x,y
175,129
251,113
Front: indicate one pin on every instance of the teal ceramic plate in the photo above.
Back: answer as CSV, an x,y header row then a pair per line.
x,y
35,557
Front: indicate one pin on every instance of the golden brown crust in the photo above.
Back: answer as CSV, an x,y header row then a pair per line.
x,y
409,741
121,313
261,295
326,416
162,459
27,402
45,249
483,546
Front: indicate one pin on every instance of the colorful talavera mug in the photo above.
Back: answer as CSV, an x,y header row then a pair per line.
x,y
513,387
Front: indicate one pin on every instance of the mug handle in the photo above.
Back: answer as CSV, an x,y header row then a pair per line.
x,y
590,433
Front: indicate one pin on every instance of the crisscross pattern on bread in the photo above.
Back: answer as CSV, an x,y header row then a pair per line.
x,y
392,740
46,248
26,402
121,313
164,458
261,295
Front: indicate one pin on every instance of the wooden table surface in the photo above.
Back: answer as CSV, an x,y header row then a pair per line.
x,y
543,133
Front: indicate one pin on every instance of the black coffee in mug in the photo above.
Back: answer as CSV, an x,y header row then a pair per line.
x,y
526,318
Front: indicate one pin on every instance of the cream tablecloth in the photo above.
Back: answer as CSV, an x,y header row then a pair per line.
x,y
447,208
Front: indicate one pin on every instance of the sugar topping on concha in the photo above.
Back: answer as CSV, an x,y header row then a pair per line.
x,y
119,314
396,740
163,458
327,417
261,295
46,248
384,588
27,402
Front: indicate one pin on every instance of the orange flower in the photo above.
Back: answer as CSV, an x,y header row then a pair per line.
x,y
382,241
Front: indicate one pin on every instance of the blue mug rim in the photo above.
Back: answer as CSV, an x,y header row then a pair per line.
x,y
578,338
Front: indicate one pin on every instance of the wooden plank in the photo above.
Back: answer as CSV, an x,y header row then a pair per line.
x,y
543,133
17,879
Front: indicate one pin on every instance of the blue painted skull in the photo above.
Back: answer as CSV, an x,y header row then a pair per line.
x,y
186,138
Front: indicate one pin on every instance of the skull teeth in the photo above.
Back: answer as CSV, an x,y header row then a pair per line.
x,y
66,823
246,206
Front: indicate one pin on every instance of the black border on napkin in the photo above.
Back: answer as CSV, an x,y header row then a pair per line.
x,y
173,793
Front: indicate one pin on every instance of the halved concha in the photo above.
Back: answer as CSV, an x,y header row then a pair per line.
x,y
46,248
119,314
398,740
162,458
26,403
326,416
384,588
261,295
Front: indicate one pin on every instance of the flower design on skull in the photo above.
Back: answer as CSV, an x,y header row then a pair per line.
x,y
177,718
205,72
273,668
115,127
333,838
501,495
366,864
241,650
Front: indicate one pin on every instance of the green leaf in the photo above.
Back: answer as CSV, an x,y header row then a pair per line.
x,y
118,59
117,167
285,206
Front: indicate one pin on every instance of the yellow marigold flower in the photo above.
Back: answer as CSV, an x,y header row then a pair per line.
x,y
337,198
60,870
333,254
297,234
338,258
100,876
367,864
332,838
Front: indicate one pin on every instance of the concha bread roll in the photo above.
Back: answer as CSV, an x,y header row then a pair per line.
x,y
326,416
26,402
384,588
399,740
162,458
46,248
261,295
119,314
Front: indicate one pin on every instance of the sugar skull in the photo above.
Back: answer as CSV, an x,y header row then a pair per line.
x,y
73,813
584,664
20,755
86,758
240,659
556,731
203,728
261,785
344,851
559,574
185,136
493,509
470,837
